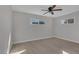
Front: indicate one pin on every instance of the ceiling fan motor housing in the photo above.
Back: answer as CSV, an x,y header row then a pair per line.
x,y
50,9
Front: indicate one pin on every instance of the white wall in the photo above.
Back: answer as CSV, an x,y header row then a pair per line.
x,y
5,28
25,31
68,31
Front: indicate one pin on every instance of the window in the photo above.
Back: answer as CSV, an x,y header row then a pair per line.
x,y
38,21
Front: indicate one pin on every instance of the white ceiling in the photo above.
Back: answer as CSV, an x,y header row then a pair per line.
x,y
36,9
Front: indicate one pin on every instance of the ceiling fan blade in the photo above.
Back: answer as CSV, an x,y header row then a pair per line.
x,y
57,10
44,10
45,13
53,6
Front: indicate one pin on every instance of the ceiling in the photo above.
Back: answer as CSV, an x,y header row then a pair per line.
x,y
36,9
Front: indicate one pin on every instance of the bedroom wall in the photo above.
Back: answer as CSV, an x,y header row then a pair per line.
x,y
67,31
5,28
25,31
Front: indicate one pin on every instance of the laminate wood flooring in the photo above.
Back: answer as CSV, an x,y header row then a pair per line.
x,y
46,46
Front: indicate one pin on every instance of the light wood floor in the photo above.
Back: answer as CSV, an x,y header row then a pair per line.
x,y
46,46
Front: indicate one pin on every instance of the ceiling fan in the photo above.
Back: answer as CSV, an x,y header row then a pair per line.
x,y
51,10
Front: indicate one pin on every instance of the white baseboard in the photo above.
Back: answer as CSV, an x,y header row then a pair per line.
x,y
33,39
61,37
